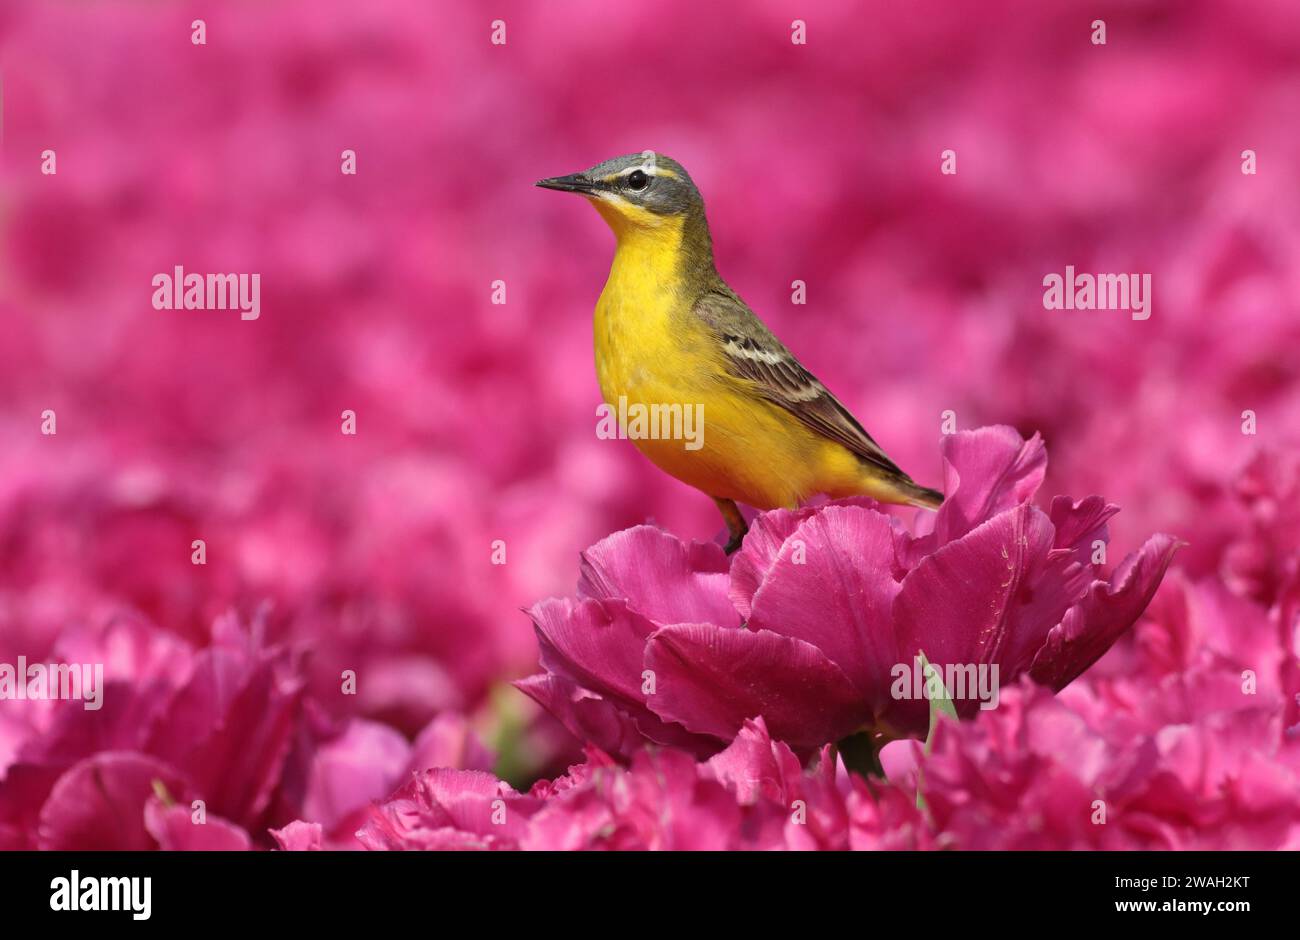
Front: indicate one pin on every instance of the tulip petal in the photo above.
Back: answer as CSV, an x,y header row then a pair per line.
x,y
989,597
618,727
362,763
659,576
176,831
449,809
449,741
588,717
711,679
596,644
754,766
299,836
986,472
831,586
762,544
98,804
1079,525
234,731
1090,627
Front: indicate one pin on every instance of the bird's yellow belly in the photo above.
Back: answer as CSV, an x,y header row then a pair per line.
x,y
734,445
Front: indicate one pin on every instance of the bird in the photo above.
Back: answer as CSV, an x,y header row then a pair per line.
x,y
668,330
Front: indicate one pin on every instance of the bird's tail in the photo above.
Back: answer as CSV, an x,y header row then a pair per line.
x,y
897,487
920,496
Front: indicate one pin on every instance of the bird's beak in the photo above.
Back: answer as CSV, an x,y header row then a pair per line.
x,y
573,183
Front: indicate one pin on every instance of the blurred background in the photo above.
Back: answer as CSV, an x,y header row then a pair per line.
x,y
475,421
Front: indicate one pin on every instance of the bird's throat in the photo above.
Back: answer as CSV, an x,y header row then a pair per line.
x,y
648,257
660,253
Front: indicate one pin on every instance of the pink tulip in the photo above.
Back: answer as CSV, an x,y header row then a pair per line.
x,y
200,748
824,606
755,794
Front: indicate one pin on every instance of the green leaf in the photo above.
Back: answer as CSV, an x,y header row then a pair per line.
x,y
940,707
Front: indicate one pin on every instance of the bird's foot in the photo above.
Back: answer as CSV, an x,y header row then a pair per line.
x,y
735,524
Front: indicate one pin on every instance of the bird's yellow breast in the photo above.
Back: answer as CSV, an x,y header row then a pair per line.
x,y
640,316
648,352
652,350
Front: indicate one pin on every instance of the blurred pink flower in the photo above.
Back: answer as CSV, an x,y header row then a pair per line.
x,y
834,600
443,808
1066,773
299,836
1265,559
1168,744
1184,737
173,828
226,724
755,794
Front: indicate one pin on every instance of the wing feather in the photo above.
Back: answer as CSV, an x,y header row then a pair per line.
x,y
752,352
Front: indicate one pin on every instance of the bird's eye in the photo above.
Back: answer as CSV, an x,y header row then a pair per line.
x,y
637,180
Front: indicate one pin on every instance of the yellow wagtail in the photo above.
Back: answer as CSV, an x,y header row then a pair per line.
x,y
668,329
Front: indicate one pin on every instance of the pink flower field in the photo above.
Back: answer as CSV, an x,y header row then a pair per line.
x,y
353,569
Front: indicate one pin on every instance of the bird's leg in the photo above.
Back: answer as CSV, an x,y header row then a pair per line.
x,y
735,523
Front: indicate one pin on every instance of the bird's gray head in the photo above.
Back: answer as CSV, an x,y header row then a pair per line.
x,y
640,188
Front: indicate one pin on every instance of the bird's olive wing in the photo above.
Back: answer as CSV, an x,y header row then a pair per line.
x,y
752,352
